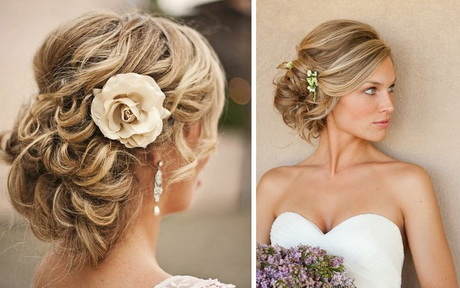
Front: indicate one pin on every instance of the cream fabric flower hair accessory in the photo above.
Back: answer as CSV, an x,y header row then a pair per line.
x,y
129,108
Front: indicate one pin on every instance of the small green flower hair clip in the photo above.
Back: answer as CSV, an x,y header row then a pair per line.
x,y
289,65
312,80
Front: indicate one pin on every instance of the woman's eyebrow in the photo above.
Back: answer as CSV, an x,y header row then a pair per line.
x,y
378,83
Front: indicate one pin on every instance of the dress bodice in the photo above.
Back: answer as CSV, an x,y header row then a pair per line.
x,y
370,244
191,282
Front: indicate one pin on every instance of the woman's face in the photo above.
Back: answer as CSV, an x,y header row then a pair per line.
x,y
365,112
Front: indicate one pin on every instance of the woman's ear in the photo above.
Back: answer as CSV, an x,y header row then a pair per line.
x,y
192,133
158,155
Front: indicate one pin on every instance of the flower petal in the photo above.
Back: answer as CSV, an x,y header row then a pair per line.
x,y
132,93
113,117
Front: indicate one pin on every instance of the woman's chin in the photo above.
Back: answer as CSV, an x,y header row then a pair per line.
x,y
377,138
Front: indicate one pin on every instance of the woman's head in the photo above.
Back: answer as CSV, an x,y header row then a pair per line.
x,y
77,187
344,53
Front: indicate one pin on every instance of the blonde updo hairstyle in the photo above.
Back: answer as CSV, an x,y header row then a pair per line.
x,y
344,53
75,187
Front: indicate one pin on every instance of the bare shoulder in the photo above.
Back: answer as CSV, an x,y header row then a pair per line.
x,y
411,183
270,190
277,179
409,174
400,170
398,173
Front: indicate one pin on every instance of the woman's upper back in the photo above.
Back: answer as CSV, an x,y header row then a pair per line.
x,y
52,273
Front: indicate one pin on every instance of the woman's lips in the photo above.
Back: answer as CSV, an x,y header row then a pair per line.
x,y
383,123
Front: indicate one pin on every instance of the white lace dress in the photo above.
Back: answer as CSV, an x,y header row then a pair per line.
x,y
191,282
370,244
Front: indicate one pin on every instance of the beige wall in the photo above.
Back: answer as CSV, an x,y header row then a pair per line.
x,y
425,39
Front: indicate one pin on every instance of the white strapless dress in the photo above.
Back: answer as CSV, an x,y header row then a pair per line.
x,y
370,244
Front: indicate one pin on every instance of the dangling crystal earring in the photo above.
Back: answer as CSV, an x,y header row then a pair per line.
x,y
158,188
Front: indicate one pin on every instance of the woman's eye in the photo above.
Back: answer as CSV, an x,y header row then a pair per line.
x,y
391,89
370,91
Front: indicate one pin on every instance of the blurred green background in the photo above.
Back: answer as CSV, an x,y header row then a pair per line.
x,y
227,26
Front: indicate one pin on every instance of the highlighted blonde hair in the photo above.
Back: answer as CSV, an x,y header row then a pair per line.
x,y
77,188
344,53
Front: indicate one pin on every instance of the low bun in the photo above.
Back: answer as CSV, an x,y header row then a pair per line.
x,y
300,108
73,186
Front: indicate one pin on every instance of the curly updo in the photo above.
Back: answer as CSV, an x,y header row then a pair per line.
x,y
344,53
77,188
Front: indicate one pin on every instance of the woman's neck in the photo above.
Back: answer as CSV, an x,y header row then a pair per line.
x,y
137,251
132,260
338,150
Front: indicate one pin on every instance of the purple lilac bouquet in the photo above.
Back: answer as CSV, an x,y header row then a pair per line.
x,y
299,267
